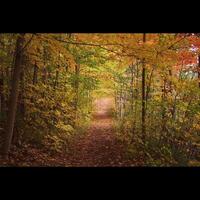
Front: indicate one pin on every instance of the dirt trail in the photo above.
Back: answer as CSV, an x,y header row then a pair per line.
x,y
99,147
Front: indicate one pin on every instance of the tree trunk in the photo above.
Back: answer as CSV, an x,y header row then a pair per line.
x,y
198,70
131,87
143,95
56,79
22,103
76,87
13,95
45,73
35,74
136,94
170,82
164,109
1,93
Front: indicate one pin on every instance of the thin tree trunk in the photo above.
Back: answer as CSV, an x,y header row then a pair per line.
x,y
57,73
121,103
143,95
56,79
1,93
77,73
45,75
164,109
170,82
22,103
132,89
35,74
136,94
149,86
199,69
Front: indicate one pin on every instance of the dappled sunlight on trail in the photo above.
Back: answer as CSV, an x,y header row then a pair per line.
x,y
99,147
103,107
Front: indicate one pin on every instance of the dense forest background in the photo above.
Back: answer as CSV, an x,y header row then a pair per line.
x,y
49,84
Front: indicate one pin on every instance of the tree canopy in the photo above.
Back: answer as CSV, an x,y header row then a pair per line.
x,y
49,83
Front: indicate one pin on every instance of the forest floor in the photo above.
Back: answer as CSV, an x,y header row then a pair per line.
x,y
98,147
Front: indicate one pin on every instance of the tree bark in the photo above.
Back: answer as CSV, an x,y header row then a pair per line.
x,y
1,92
22,103
56,79
143,95
45,74
164,109
76,87
131,87
13,95
35,74
198,70
136,94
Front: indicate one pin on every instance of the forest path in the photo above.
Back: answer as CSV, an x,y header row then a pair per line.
x,y
99,147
